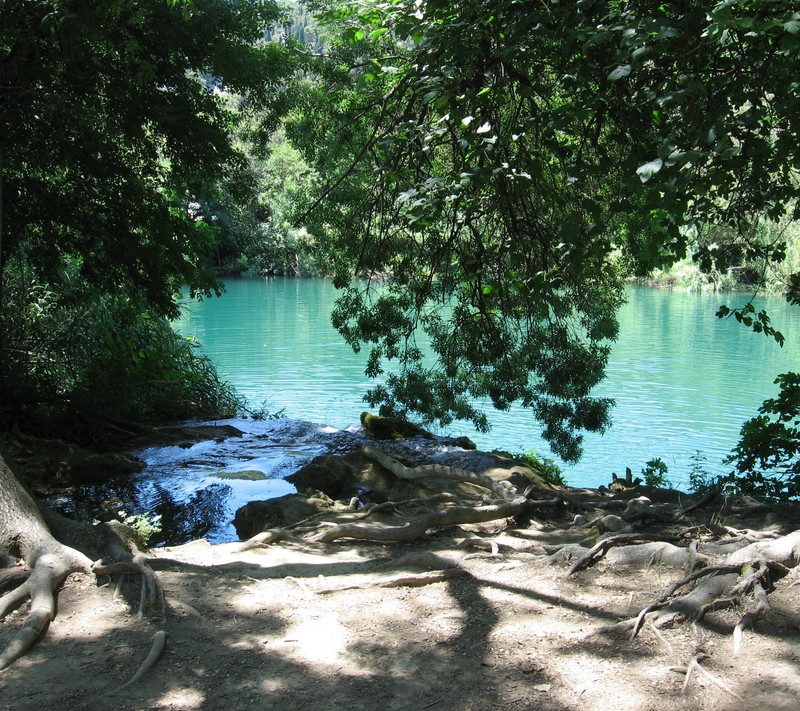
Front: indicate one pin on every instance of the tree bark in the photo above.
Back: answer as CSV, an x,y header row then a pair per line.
x,y
24,534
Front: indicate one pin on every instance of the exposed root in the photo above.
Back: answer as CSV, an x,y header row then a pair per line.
x,y
13,577
418,529
151,597
267,538
742,572
49,571
501,489
695,665
413,580
157,649
486,544
602,547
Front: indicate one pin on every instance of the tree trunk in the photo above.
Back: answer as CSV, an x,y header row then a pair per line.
x,y
24,534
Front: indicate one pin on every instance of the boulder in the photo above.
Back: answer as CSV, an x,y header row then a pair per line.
x,y
258,516
346,477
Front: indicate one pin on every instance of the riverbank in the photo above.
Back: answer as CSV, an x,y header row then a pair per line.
x,y
362,624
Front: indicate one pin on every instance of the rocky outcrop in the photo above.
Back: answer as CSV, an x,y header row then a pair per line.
x,y
345,477
258,516
333,481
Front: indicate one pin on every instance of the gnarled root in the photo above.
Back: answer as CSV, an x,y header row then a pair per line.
x,y
501,489
602,547
49,571
742,572
418,528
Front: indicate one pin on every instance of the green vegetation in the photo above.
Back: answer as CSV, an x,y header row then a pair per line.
x,y
114,126
490,196
145,525
509,184
543,465
655,472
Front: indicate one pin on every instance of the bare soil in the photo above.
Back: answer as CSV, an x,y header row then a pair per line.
x,y
267,628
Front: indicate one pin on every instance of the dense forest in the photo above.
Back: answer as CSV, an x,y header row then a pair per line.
x,y
490,174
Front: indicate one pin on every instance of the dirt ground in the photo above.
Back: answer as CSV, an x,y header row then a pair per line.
x,y
291,626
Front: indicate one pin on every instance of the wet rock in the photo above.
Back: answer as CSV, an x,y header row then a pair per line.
x,y
346,477
258,516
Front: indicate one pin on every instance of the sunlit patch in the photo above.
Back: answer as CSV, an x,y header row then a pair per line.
x,y
317,639
182,698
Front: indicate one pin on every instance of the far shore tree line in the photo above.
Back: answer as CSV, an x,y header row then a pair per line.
x,y
522,177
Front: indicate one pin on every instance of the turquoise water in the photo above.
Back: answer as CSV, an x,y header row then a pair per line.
x,y
683,380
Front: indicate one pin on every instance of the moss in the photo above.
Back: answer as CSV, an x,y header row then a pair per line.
x,y
391,427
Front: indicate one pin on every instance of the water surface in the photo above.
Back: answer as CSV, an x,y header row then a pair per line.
x,y
683,380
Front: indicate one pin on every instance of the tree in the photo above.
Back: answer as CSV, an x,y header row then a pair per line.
x,y
112,125
507,184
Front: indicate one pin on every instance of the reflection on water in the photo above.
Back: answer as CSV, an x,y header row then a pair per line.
x,y
683,380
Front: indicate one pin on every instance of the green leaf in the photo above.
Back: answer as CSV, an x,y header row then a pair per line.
x,y
620,72
649,169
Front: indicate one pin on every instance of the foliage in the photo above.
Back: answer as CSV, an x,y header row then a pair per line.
x,y
100,356
700,479
145,524
114,124
265,411
767,457
260,237
655,472
506,183
545,466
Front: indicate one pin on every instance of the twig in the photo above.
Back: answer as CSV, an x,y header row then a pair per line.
x,y
300,584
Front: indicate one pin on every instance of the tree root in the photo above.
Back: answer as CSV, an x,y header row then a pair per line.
x,y
157,649
742,572
603,546
413,580
417,529
151,597
695,665
49,571
267,538
13,577
501,489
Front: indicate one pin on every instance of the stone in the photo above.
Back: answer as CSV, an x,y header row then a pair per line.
x,y
258,516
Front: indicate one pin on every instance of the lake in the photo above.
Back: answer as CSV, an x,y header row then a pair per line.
x,y
683,380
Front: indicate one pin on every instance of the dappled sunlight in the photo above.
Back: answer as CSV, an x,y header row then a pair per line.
x,y
317,639
182,698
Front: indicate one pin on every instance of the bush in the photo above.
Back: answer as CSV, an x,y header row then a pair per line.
x,y
655,472
98,357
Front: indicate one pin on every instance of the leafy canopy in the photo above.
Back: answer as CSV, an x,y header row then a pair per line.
x,y
505,164
111,121
113,125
